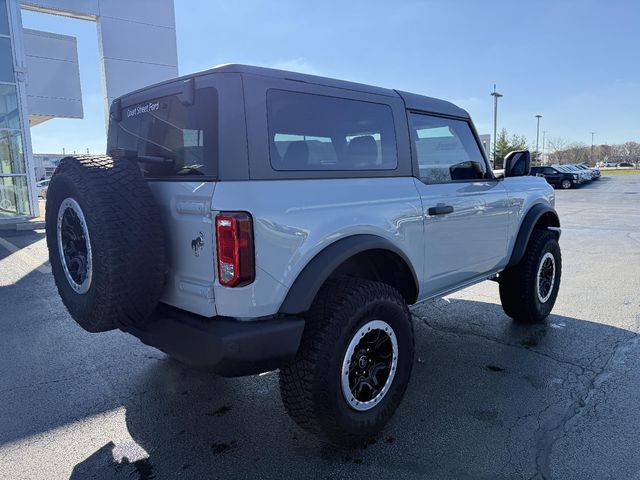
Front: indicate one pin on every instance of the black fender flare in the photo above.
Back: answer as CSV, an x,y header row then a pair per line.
x,y
527,226
315,273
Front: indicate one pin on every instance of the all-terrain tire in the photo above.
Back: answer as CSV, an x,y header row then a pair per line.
x,y
126,241
310,385
519,285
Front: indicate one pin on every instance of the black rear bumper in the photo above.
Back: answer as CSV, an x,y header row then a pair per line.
x,y
229,347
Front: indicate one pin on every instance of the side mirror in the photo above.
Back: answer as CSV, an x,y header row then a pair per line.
x,y
517,164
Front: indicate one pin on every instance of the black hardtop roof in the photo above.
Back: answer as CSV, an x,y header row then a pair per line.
x,y
412,101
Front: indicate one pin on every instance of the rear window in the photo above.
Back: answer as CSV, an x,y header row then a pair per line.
x,y
316,132
169,138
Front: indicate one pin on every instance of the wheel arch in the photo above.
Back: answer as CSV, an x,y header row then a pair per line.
x,y
539,216
366,256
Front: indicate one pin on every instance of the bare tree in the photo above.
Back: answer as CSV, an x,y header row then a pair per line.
x,y
631,149
561,151
602,153
557,147
578,153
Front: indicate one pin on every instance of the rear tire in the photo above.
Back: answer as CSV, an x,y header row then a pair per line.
x,y
353,328
100,213
528,291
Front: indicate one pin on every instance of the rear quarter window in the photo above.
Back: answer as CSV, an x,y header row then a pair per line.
x,y
309,132
168,137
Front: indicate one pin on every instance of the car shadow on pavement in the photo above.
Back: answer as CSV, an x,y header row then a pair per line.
x,y
488,399
10,239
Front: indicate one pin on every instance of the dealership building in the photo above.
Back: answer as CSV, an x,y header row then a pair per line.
x,y
40,80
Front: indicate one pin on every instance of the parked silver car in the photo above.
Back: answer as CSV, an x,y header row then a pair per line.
x,y
594,172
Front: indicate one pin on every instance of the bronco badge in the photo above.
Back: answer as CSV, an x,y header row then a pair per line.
x,y
197,244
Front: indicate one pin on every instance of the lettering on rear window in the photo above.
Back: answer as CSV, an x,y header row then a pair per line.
x,y
144,108
169,138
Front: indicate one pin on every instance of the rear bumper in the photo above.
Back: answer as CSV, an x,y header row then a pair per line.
x,y
229,347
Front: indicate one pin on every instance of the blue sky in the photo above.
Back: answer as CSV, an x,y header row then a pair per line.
x,y
577,63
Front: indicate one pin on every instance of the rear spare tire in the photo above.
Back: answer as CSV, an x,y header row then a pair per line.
x,y
106,242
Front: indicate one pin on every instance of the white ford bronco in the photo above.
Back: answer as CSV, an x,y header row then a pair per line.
x,y
249,219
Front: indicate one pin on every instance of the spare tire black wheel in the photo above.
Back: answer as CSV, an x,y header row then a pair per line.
x,y
106,242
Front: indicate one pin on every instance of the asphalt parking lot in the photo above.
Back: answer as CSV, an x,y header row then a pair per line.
x,y
488,399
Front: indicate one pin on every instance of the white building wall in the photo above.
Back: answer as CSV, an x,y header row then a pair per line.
x,y
86,9
136,38
137,44
52,77
20,69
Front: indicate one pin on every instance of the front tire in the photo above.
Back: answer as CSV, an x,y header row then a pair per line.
x,y
566,184
354,362
528,291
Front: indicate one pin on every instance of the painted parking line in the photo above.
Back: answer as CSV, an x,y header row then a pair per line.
x,y
22,256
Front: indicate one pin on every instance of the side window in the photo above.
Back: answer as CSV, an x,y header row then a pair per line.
x,y
316,132
549,171
321,150
446,149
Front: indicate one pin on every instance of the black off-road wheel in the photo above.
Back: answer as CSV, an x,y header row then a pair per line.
x,y
354,362
566,184
528,291
106,243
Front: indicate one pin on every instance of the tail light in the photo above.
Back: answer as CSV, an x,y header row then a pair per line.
x,y
234,243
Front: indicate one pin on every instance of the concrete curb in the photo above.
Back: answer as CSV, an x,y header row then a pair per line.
x,y
22,226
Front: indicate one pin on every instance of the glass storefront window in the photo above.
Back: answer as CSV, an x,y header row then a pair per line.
x,y
4,18
11,152
14,196
14,190
6,61
9,113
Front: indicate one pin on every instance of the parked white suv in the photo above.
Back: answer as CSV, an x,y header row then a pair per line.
x,y
42,186
248,219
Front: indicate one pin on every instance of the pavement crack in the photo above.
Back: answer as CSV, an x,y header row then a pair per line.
x,y
551,429
489,338
41,384
552,421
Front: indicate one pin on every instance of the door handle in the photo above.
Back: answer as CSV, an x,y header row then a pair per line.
x,y
440,210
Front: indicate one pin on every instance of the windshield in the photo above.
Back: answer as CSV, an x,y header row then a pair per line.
x,y
169,138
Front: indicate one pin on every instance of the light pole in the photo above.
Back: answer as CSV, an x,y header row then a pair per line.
x,y
537,134
495,96
544,134
591,156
